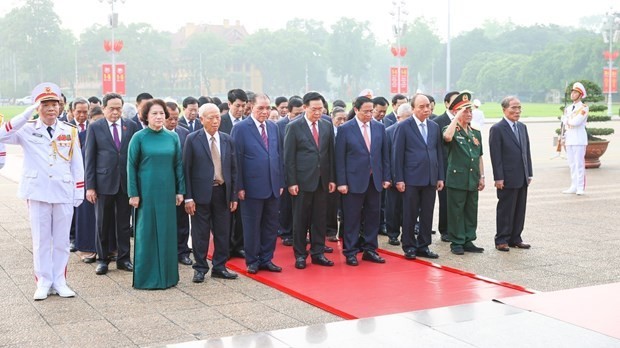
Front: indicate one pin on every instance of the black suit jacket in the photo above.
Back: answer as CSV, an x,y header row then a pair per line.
x,y
183,122
304,163
137,121
511,159
392,117
199,170
443,120
182,133
227,124
106,166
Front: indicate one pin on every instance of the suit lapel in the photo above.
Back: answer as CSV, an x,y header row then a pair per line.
x,y
510,132
107,132
124,136
358,134
306,131
202,138
254,131
416,130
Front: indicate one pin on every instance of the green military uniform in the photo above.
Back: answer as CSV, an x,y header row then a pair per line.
x,y
462,179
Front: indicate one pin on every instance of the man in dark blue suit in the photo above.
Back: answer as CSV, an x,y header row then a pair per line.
x,y
417,161
190,114
107,141
310,175
172,124
397,100
295,108
393,198
140,100
362,172
210,166
512,172
260,184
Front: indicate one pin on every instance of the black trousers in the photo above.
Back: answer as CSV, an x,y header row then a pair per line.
x,y
112,215
212,218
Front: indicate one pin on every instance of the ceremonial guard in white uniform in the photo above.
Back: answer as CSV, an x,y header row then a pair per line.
x,y
576,138
52,182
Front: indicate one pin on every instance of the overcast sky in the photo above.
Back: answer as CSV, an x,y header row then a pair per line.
x,y
465,15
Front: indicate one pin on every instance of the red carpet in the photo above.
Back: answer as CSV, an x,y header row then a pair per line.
x,y
368,290
594,307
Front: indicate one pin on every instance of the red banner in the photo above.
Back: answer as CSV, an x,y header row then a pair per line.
x,y
614,80
106,78
399,80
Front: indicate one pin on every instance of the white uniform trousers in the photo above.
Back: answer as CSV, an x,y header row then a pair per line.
x,y
577,164
50,224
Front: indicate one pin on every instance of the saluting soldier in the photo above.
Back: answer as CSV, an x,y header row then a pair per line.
x,y
52,183
464,176
576,138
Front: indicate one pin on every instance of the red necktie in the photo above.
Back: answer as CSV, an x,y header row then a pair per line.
x,y
263,136
81,127
315,134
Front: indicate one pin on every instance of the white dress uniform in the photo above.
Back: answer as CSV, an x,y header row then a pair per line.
x,y
52,182
576,140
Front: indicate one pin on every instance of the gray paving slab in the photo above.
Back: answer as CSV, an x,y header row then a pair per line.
x,y
575,242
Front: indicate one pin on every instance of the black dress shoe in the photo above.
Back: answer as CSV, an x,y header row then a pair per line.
x,y
238,253
287,241
433,232
321,260
519,245
72,247
102,268
457,250
89,259
271,267
393,241
185,260
372,256
410,254
126,266
300,263
502,247
328,250
472,248
383,231
426,253
223,274
352,260
199,276
444,238
252,269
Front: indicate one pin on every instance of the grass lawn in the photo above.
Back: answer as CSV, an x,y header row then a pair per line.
x,y
9,111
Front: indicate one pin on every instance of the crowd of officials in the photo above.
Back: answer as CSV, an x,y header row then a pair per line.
x,y
247,172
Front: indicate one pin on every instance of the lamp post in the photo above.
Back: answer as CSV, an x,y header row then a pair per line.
x,y
113,24
315,55
398,13
611,32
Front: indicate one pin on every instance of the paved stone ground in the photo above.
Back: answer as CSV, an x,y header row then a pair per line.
x,y
575,242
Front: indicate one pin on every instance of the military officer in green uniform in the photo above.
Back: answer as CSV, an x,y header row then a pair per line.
x,y
464,177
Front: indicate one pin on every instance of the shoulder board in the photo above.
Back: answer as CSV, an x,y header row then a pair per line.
x,y
69,124
31,121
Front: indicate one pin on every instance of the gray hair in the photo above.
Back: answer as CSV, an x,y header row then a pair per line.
x,y
506,101
404,110
79,100
129,110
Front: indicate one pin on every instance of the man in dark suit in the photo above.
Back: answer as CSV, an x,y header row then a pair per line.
x,y
295,108
418,172
172,124
260,184
362,172
140,100
397,100
310,175
190,113
106,181
380,105
237,100
210,173
393,198
512,172
79,109
443,121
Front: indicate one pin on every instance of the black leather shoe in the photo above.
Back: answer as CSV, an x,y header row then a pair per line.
x,y
238,253
300,263
89,259
393,241
519,245
457,250
433,232
383,231
328,250
199,276
372,256
352,260
426,253
321,260
126,266
271,267
102,268
444,238
72,247
223,274
185,260
502,247
287,241
472,248
410,254
252,269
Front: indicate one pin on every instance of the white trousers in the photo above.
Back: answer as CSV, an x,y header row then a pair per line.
x,y
577,164
50,225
